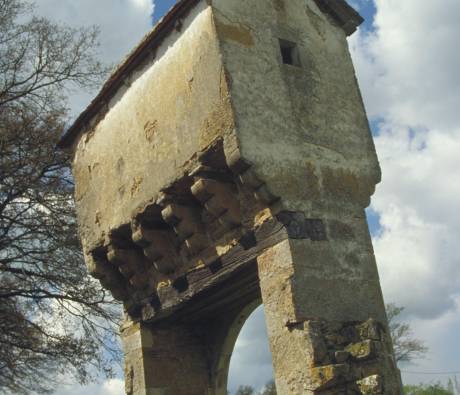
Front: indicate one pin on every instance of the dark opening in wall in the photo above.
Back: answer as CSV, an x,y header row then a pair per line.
x,y
216,266
289,53
180,284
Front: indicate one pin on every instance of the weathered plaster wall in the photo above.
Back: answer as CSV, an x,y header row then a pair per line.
x,y
305,130
301,169
170,110
297,123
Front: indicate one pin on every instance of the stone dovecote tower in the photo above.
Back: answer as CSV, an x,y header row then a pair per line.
x,y
227,163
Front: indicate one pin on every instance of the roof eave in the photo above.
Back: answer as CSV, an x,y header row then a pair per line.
x,y
151,41
345,15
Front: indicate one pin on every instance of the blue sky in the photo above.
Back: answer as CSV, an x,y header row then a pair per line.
x,y
161,7
367,10
407,61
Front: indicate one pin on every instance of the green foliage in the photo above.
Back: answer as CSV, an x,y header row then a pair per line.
x,y
269,389
427,389
245,390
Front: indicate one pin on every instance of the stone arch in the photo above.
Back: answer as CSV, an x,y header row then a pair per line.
x,y
228,345
241,187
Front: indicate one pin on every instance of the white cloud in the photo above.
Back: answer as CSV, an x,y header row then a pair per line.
x,y
109,387
251,360
409,66
144,5
113,387
441,337
122,25
418,250
408,69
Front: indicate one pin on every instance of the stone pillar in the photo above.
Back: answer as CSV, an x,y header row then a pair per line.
x,y
170,361
325,314
191,358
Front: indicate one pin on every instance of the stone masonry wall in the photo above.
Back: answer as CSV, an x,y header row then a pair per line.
x,y
297,122
174,107
235,164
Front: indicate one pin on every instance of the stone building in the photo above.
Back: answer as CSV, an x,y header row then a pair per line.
x,y
226,163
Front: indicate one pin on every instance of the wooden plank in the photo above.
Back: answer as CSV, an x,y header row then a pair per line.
x,y
228,269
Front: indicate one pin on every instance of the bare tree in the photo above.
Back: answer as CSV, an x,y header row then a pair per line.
x,y
406,347
453,385
55,321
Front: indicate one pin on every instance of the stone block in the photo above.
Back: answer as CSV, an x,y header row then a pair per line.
x,y
229,160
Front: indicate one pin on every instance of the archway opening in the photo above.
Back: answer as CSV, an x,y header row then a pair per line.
x,y
251,360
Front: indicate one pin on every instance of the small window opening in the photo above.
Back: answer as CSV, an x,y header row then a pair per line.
x,y
289,53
